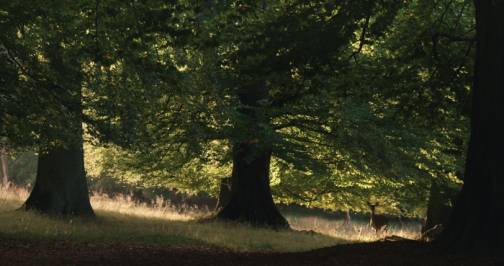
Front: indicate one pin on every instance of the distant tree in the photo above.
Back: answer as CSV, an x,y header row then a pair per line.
x,y
419,74
224,193
477,221
4,166
439,205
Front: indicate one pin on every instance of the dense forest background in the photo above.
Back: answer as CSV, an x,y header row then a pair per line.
x,y
353,102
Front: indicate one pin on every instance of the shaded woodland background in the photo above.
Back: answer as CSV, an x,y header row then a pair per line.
x,y
322,104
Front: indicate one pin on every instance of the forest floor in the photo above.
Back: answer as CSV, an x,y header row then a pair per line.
x,y
124,233
56,252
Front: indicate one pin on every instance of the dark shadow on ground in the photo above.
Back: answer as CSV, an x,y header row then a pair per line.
x,y
45,252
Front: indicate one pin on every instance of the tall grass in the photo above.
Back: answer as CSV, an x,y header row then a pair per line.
x,y
355,231
121,219
161,209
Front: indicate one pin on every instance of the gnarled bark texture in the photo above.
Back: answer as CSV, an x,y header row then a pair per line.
x,y
250,200
477,222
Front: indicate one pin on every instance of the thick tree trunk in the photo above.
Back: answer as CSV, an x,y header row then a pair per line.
x,y
477,222
4,165
61,186
250,199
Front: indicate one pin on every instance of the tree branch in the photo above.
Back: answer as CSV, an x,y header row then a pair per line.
x,y
362,39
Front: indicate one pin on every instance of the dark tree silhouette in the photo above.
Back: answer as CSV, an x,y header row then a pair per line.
x,y
4,167
476,224
250,198
61,185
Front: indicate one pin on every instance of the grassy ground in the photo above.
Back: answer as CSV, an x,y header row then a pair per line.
x,y
356,231
122,220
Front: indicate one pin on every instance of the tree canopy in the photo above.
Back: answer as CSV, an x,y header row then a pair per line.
x,y
341,102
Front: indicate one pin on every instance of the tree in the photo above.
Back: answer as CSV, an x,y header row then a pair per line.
x,y
4,166
439,205
298,99
61,186
476,222
253,80
43,60
201,89
319,99
419,75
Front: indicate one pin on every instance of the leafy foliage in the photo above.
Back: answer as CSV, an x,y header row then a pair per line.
x,y
362,100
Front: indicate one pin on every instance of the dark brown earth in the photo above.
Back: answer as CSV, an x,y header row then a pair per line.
x,y
45,252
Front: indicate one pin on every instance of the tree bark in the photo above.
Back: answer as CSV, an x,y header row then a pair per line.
x,y
250,199
61,186
477,221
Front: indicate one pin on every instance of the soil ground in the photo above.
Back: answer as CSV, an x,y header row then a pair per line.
x,y
45,252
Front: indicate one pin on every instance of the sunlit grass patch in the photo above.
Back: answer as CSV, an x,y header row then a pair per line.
x,y
162,225
124,204
111,226
12,197
355,231
121,219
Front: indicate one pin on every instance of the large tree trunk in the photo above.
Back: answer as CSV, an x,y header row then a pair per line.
x,y
477,222
61,186
250,200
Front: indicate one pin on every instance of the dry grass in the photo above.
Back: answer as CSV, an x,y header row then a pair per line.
x,y
355,231
11,198
161,209
121,219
